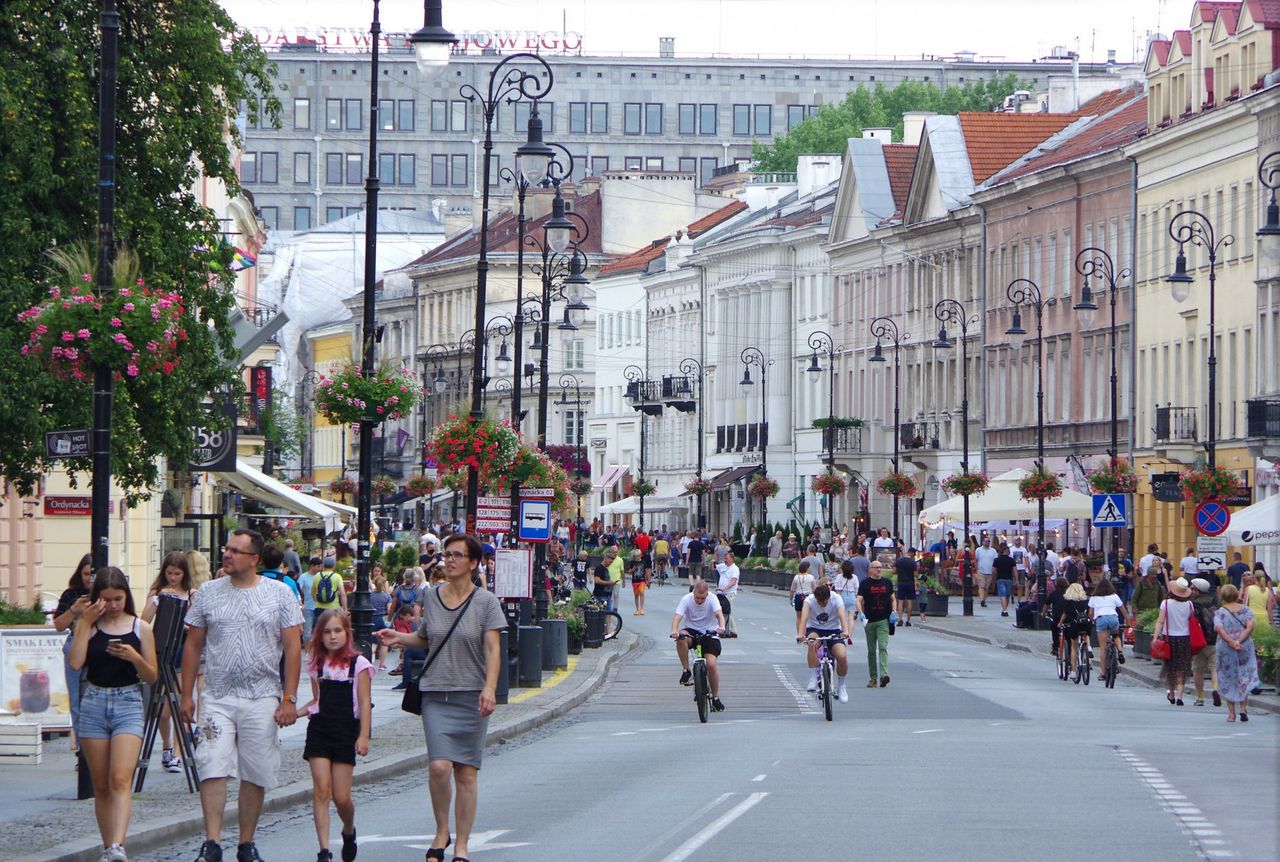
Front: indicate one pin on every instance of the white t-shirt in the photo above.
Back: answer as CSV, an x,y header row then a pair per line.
x,y
1190,565
1147,562
804,583
1105,605
825,618
884,542
1177,617
986,557
1051,563
699,617
845,586
1019,555
728,583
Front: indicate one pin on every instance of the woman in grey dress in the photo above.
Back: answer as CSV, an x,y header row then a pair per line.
x,y
1237,670
459,690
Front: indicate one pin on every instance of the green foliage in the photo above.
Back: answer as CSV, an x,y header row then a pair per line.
x,y
183,70
1147,620
791,566
838,422
831,126
15,615
283,428
737,532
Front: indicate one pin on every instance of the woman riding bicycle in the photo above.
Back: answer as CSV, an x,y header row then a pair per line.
x,y
1107,611
1073,618
822,615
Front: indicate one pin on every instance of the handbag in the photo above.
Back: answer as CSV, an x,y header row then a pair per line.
x,y
1160,650
411,702
1198,641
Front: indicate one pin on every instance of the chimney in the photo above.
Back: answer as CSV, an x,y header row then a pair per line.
x,y
815,171
884,136
1111,56
667,47
913,126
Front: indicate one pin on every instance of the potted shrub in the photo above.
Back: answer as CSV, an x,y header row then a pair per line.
x,y
937,597
1144,632
576,628
1266,640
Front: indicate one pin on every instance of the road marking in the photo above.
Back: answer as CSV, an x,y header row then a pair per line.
x,y
933,730
943,653
547,682
802,701
759,777
479,840
688,848
1190,817
625,733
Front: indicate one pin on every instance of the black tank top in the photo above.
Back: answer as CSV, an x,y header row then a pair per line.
x,y
105,670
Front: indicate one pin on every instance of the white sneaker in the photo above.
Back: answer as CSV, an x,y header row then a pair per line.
x,y
842,695
174,765
115,853
813,684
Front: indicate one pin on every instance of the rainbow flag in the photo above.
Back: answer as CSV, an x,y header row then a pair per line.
x,y
242,260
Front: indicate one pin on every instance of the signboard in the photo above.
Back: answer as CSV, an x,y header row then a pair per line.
x,y
1211,553
1242,496
32,682
68,504
1109,510
492,525
431,468
1212,518
214,448
1164,487
494,509
535,520
513,573
68,443
259,396
537,492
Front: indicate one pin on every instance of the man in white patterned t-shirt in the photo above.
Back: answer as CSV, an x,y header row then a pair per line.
x,y
702,620
247,622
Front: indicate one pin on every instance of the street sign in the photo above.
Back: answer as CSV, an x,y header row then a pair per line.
x,y
1109,510
68,504
67,443
214,449
1212,518
430,468
498,525
493,502
513,573
537,492
535,521
1211,553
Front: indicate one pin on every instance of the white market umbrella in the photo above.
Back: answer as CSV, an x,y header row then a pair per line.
x,y
1002,502
1258,524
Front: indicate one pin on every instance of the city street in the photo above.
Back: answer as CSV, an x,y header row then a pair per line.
x,y
972,752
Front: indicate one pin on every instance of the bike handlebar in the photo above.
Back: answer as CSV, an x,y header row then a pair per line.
x,y
831,639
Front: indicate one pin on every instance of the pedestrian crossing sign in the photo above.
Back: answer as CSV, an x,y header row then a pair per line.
x,y
1109,510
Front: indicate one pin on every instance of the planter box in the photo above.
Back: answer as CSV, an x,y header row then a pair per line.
x,y
575,645
938,604
1142,643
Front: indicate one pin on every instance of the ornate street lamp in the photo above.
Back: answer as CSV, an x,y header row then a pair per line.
x,y
951,311
640,396
753,356
821,341
694,375
882,328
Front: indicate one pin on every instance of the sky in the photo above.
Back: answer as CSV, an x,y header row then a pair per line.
x,y
1009,29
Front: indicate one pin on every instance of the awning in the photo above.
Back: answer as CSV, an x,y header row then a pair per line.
x,y
255,484
733,474
631,505
1002,502
612,476
1258,524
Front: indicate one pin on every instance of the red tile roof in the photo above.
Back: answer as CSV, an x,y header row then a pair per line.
x,y
900,161
1208,10
997,140
1107,132
1183,37
1105,103
707,222
1265,12
1160,47
639,260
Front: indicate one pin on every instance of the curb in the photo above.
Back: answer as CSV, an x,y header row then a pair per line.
x,y
183,827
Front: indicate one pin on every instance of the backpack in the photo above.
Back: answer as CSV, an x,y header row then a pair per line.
x,y
325,592
1074,571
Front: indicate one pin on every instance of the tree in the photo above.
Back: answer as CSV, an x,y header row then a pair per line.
x,y
830,127
184,69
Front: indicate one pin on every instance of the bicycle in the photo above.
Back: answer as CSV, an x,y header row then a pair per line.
x,y
1111,668
1083,665
702,695
1064,654
612,619
826,692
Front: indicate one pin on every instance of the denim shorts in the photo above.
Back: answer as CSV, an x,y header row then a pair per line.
x,y
1004,587
107,712
1107,623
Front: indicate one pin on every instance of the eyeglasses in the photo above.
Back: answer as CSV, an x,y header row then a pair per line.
x,y
455,555
229,550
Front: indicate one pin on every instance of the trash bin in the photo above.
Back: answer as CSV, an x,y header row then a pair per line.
x,y
555,644
530,657
593,624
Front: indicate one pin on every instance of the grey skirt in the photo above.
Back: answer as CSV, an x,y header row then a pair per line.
x,y
453,725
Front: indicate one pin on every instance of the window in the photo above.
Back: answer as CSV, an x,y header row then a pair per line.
x,y
405,114
688,165
577,118
708,119
387,168
653,163
520,117
458,169
333,114
633,163
248,167
795,116
252,114
333,168
271,216
653,118
688,122
355,168
458,115
268,167
332,214
302,218
354,110
574,422
742,119
599,164
302,113
387,115
706,169
408,170
439,170
439,116
495,168
302,167
764,120
599,118
573,353
631,118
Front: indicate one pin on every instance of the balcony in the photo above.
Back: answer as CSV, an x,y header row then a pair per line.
x,y
918,435
1262,424
1176,437
842,441
747,437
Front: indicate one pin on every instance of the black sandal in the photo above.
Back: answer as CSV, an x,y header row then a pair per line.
x,y
438,852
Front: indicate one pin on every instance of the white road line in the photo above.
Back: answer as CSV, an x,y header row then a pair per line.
x,y
759,777
1190,817
801,700
934,730
624,733
705,834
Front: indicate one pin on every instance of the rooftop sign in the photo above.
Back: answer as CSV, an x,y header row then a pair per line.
x,y
469,41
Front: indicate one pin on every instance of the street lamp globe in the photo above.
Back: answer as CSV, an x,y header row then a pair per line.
x,y
746,383
1180,280
559,230
1016,333
534,155
878,355
503,358
942,342
1086,308
440,382
567,324
814,368
432,44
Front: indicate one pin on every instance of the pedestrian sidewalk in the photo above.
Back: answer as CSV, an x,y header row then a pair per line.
x,y
42,821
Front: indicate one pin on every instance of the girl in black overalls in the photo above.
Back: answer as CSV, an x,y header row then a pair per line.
x,y
338,730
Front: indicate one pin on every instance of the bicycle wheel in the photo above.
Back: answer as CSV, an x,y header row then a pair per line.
x,y
824,689
1086,664
612,625
1113,666
1064,660
701,690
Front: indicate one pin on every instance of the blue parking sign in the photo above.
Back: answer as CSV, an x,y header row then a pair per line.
x,y
1109,510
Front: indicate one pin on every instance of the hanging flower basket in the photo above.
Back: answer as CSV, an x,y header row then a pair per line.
x,y
1040,485
1211,483
966,484
698,486
486,445
134,330
897,485
349,397
382,486
643,488
762,488
343,485
580,487
421,486
830,483
1119,479
533,468
455,482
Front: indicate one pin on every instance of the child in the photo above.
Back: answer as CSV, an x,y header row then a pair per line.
x,y
338,730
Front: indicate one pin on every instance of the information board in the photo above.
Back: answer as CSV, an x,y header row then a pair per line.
x,y
513,573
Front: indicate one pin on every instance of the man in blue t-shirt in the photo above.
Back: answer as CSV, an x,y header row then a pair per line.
x,y
272,559
1238,570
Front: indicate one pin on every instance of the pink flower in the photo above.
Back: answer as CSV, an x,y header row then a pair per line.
x,y
152,347
139,282
86,277
381,410
41,329
117,322
129,306
55,291
124,291
68,336
131,370
118,338
84,333
25,350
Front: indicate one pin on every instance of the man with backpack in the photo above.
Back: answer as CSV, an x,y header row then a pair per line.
x,y
328,589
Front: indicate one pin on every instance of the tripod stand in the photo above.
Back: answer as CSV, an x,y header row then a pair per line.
x,y
166,691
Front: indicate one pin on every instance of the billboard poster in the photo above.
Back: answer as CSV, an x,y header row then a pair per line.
x,y
32,682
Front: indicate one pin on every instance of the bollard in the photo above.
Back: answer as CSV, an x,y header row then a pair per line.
x,y
530,657
555,644
593,624
504,671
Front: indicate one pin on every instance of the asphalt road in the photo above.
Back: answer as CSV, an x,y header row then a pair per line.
x,y
972,752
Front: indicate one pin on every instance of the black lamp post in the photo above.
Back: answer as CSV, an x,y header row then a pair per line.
x,y
753,356
1194,228
693,371
640,394
822,341
882,328
1093,262
1025,292
568,380
951,311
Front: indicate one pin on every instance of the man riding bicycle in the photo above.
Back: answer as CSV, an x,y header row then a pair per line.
x,y
822,615
703,622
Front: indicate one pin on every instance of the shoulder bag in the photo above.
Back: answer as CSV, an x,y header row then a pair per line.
x,y
411,702
1160,650
1198,640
